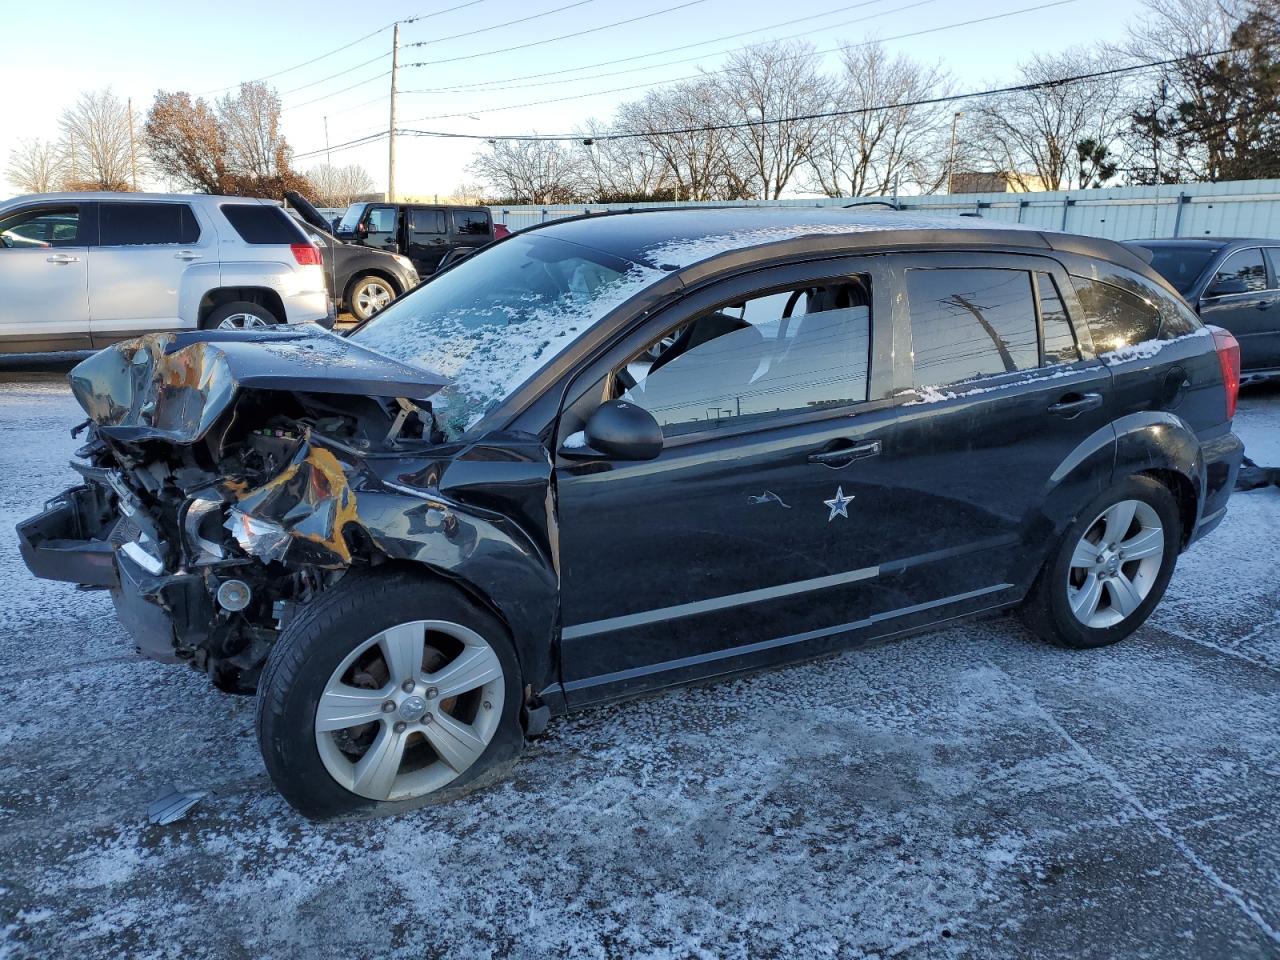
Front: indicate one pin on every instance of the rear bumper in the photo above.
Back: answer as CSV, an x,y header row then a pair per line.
x,y
313,306
1222,458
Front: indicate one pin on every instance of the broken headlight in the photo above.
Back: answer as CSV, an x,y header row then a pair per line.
x,y
264,539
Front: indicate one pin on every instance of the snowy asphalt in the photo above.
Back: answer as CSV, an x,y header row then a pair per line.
x,y
966,793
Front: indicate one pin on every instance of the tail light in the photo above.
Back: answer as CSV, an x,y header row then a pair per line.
x,y
501,230
307,255
1228,348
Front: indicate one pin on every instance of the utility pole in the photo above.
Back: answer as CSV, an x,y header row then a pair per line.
x,y
951,157
133,155
328,157
391,148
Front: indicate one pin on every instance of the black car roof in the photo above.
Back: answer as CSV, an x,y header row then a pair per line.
x,y
680,237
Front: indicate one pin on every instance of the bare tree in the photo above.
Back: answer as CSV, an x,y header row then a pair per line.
x,y
96,142
1035,136
35,166
887,142
250,122
767,82
624,170
530,171
339,186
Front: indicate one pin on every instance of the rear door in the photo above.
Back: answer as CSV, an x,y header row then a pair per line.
x,y
44,299
428,238
1253,316
470,229
136,271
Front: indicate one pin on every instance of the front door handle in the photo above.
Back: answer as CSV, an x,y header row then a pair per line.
x,y
843,455
1265,304
1074,404
62,258
187,255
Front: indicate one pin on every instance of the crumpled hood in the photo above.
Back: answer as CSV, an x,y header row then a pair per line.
x,y
167,386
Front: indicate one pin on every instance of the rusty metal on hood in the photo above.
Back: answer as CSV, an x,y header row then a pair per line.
x,y
166,386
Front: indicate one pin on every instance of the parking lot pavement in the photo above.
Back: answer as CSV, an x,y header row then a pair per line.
x,y
965,793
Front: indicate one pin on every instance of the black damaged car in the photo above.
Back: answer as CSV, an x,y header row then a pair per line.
x,y
621,452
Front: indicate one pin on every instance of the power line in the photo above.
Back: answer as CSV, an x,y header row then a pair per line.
x,y
563,36
489,84
375,77
902,36
334,76
505,23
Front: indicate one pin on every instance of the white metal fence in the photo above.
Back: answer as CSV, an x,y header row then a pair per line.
x,y
1239,208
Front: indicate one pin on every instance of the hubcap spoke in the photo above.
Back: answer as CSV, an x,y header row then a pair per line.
x,y
1124,595
472,668
1147,543
376,772
456,742
1119,519
343,706
402,646
1085,555
1084,601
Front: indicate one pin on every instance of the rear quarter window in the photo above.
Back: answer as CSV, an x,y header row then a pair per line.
x,y
1126,310
261,223
471,222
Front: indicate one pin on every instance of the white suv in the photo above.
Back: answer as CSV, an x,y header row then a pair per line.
x,y
83,270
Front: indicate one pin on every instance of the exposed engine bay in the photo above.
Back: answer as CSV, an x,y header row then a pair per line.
x,y
229,486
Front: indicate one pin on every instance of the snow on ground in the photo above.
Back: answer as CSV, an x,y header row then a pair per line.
x,y
965,793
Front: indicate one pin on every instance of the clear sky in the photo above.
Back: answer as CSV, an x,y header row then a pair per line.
x,y
140,46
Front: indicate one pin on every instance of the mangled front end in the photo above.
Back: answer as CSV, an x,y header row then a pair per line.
x,y
228,480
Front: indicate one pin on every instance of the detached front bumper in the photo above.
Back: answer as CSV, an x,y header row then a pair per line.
x,y
70,540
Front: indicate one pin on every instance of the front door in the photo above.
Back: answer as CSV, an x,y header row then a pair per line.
x,y
44,252
746,537
1253,316
428,238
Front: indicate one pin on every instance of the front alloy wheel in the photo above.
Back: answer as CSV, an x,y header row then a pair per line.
x,y
370,296
409,710
242,321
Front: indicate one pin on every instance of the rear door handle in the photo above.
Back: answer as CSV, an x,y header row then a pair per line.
x,y
1265,304
62,258
187,255
1073,405
842,455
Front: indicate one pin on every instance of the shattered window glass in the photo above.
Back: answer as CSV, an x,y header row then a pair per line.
x,y
495,319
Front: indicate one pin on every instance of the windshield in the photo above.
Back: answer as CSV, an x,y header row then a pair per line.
x,y
493,320
349,219
1181,264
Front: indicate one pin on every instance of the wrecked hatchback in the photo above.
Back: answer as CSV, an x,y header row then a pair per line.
x,y
622,452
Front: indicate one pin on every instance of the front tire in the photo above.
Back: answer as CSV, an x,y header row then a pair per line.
x,y
240,315
368,295
388,691
1109,569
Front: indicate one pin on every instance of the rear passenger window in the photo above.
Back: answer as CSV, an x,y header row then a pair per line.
x,y
262,223
971,323
123,224
471,222
783,353
426,221
1059,340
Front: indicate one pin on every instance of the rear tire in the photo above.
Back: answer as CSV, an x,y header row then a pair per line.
x,y
333,746
240,315
1109,569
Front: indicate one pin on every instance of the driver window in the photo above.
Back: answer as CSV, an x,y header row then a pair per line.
x,y
781,353
45,227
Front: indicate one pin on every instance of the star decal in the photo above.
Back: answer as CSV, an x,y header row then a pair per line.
x,y
839,505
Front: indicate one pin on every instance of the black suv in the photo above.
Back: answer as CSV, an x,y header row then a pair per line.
x,y
431,235
362,280
616,453
1233,284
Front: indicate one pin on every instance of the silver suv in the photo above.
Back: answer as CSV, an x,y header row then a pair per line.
x,y
83,270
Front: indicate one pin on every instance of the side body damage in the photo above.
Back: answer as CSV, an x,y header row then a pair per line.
x,y
232,483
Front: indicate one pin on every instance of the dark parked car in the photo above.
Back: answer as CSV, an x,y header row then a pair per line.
x,y
616,453
362,280
1234,284
431,235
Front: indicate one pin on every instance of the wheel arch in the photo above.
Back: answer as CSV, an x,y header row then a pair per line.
x,y
1163,446
359,273
220,296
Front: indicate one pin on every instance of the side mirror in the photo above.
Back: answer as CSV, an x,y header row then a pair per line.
x,y
1227,288
618,430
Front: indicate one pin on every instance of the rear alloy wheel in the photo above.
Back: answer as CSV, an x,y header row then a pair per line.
x,y
1110,568
387,691
369,295
240,315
